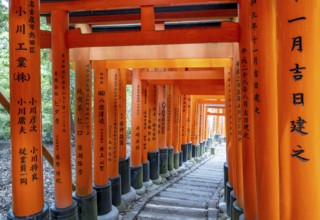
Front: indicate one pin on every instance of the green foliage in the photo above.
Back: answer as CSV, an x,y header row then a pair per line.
x,y
4,70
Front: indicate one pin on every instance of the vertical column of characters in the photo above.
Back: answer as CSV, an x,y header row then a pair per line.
x,y
176,126
169,123
229,119
188,124
184,119
298,66
100,123
113,102
25,108
162,114
152,119
136,119
61,110
122,114
247,106
83,122
144,103
265,96
237,125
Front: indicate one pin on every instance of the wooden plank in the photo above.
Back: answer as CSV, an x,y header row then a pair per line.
x,y
116,4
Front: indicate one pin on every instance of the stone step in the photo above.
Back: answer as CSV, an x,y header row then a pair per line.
x,y
177,210
156,216
187,187
182,196
189,192
177,202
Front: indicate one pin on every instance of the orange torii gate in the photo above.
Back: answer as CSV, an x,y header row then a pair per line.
x,y
282,132
66,39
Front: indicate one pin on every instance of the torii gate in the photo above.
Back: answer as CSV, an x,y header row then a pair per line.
x,y
224,74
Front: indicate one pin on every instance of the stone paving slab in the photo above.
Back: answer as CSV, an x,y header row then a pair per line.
x,y
192,195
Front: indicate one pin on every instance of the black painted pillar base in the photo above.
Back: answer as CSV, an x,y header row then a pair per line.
x,y
198,150
189,151
104,198
236,211
69,213
154,160
206,146
164,162
170,159
184,148
137,177
194,151
124,171
233,198
43,215
146,171
87,206
201,148
180,158
226,178
228,190
176,160
116,190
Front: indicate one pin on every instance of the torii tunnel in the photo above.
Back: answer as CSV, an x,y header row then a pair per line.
x,y
245,71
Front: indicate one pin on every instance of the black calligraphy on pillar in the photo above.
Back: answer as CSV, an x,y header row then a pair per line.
x,y
255,60
298,99
297,153
298,126
245,93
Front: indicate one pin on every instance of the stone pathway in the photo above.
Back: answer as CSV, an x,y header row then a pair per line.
x,y
193,195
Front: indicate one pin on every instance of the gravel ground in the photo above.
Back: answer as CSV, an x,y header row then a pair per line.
x,y
5,177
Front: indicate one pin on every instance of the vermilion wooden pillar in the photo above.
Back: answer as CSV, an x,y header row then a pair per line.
x,y
25,111
112,137
298,84
153,152
229,171
236,82
201,110
136,132
122,114
144,134
162,130
188,126
247,82
176,126
61,116
183,130
169,90
193,125
265,95
101,181
83,114
124,160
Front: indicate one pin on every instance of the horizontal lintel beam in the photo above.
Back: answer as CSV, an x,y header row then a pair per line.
x,y
169,63
215,114
228,32
116,4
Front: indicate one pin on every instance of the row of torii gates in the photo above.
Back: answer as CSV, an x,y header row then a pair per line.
x,y
269,81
